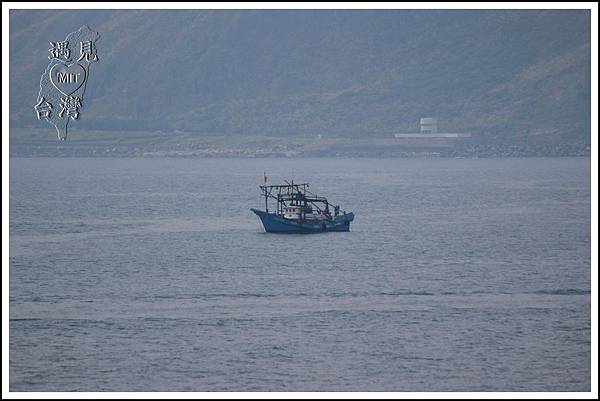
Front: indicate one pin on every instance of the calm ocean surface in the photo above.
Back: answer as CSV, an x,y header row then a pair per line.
x,y
153,274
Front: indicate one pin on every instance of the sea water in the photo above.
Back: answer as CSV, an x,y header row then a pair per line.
x,y
154,275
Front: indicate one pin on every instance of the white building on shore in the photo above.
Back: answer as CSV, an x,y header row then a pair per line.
x,y
429,129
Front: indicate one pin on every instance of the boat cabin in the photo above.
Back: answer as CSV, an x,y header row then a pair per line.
x,y
291,212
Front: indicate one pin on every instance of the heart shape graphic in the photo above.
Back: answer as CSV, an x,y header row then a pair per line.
x,y
67,78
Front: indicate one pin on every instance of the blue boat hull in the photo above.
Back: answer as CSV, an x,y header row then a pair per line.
x,y
276,224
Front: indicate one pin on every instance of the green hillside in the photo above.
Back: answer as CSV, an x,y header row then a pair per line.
x,y
508,74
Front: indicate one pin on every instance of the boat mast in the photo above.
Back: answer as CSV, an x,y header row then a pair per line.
x,y
266,202
266,195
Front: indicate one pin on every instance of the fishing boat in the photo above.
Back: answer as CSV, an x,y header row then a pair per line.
x,y
298,210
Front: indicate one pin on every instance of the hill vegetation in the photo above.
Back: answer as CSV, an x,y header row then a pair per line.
x,y
514,75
